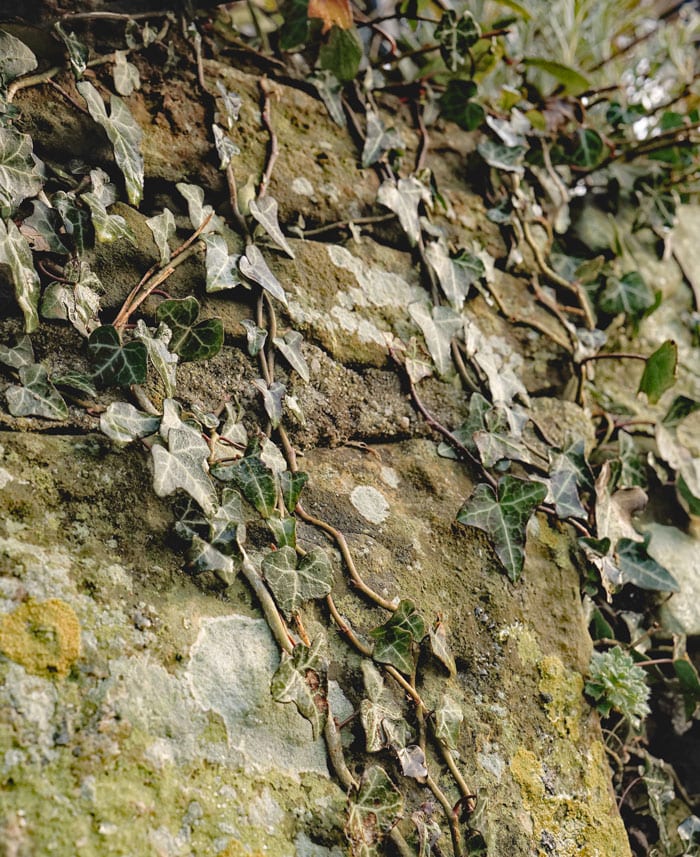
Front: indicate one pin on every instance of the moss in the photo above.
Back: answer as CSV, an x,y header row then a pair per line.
x,y
562,690
42,636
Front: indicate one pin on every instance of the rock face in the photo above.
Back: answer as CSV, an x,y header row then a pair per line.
x,y
135,706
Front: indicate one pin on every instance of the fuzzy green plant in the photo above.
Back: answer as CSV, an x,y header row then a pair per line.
x,y
618,684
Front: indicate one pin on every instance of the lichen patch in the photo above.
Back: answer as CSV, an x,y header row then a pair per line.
x,y
42,636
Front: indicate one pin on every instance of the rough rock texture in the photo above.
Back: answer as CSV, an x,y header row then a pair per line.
x,y
135,712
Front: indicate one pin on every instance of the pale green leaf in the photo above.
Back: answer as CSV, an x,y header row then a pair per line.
x,y
255,268
159,353
37,397
198,212
163,228
78,382
222,268
448,720
226,149
124,134
438,328
341,53
292,585
383,728
284,531
290,346
273,399
41,229
571,79
254,479
22,354
16,58
123,423
291,683
255,336
291,485
125,74
441,648
403,198
116,363
202,556
374,810
504,517
183,466
628,294
16,255
563,488
330,90
21,172
659,371
232,104
265,212
379,139
428,831
455,279
506,158
108,227
456,35
79,304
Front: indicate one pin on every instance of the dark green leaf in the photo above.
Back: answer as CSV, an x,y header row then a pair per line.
x,y
681,407
284,531
476,421
341,54
689,682
393,641
589,148
639,568
504,517
292,586
291,485
456,104
572,81
659,371
373,811
254,479
114,363
300,678
37,397
455,36
77,382
628,294
76,221
16,255
191,340
203,556
294,29
77,51
576,456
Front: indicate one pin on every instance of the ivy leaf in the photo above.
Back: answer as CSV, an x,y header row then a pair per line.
x,y
21,355
16,58
254,479
255,268
125,74
589,148
123,423
659,371
403,198
456,35
124,134
454,278
292,485
41,229
428,833
628,294
255,336
290,347
284,531
116,364
632,470
21,172
265,212
504,517
374,810
637,567
158,348
163,228
476,421
191,340
76,221
202,556
379,139
273,398
448,719
438,328
300,678
292,586
572,81
441,648
197,211
381,726
232,104
226,149
222,270
37,396
507,158
330,90
78,382
16,255
681,407
183,466
77,51
500,439
108,227
79,304
393,640
341,54
412,761
563,488
456,104
494,356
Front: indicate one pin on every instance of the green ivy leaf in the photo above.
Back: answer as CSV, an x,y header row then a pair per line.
x,y
563,488
628,294
21,355
124,134
255,336
393,641
292,585
197,211
438,328
341,54
76,221
290,346
284,531
378,140
504,517
222,267
191,340
632,469
183,466
330,90
16,255
255,268
300,678
79,304
403,198
571,79
382,727
202,556
77,51
116,364
637,567
41,229
456,35
456,104
455,278
273,399
476,421
441,648
291,485
681,407
448,720
294,29
507,158
163,228
37,396
256,481
123,423
659,371
373,811
125,74
16,58
21,172
428,831
158,348
589,148
265,212
108,227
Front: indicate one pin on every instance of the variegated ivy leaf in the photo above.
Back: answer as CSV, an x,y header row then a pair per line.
x,y
225,147
412,761
108,227
382,726
123,423
254,479
479,407
403,198
232,104
292,585
501,438
41,229
125,74
222,268
330,90
290,346
22,354
255,336
373,812
76,221
441,648
77,382
284,531
379,139
16,255
438,328
183,467
506,158
163,228
428,831
563,488
158,348
641,569
456,35
504,517
79,304
291,485
495,357
265,212
202,556
301,679
191,339
393,641
273,457
16,58
21,172
632,467
37,397
373,681
198,212
77,51
255,268
124,134
273,399
455,279
448,719
116,363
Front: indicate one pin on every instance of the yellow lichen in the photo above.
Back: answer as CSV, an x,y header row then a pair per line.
x,y
42,636
562,690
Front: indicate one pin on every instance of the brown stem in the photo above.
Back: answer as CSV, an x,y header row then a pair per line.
x,y
269,608
335,754
449,815
346,630
612,355
273,150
